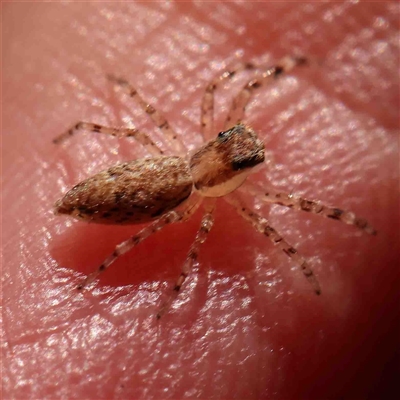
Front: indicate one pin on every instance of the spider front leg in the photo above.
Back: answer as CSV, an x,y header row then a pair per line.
x,y
201,236
263,226
141,137
156,116
242,99
207,104
288,200
169,218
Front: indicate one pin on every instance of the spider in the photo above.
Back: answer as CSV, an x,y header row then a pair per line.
x,y
168,189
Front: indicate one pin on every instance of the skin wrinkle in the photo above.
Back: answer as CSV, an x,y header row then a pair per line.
x,y
245,325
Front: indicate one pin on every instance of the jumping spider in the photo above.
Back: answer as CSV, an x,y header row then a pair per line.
x,y
167,189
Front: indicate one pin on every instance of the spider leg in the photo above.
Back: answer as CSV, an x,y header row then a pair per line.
x,y
168,218
141,137
241,100
207,104
263,226
288,200
155,115
201,236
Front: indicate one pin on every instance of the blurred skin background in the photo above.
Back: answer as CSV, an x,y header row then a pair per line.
x,y
246,324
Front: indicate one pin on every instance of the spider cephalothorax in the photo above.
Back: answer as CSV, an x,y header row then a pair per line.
x,y
222,165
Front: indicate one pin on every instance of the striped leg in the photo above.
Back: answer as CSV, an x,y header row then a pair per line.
x,y
168,218
141,137
263,226
240,102
205,227
288,200
155,115
207,105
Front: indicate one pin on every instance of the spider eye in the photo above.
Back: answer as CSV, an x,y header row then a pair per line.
x,y
224,135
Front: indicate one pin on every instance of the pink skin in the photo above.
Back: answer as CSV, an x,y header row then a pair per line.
x,y
246,324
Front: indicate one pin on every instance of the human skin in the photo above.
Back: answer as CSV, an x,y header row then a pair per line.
x,y
246,324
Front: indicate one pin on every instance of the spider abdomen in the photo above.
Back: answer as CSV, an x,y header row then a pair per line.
x,y
129,193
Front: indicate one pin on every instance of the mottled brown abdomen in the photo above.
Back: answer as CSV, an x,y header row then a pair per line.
x,y
129,193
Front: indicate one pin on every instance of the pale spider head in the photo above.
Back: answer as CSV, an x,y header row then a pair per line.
x,y
222,165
